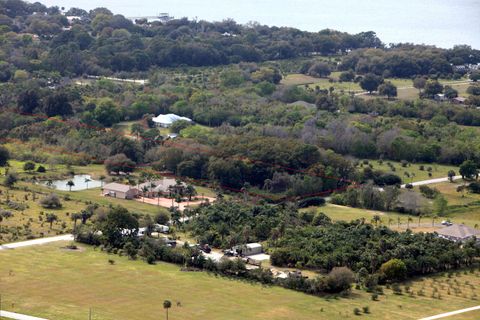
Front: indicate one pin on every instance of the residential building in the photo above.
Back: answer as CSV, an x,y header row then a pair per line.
x,y
118,190
162,187
458,232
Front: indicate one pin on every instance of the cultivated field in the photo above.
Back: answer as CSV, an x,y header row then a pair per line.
x,y
55,283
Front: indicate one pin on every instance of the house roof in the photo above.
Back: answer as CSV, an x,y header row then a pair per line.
x,y
462,99
169,118
460,231
253,245
117,187
160,185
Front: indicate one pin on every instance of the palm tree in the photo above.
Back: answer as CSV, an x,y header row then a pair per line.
x,y
51,218
49,183
375,219
390,220
87,181
102,178
75,217
398,222
167,305
419,218
408,222
434,217
144,190
70,184
190,192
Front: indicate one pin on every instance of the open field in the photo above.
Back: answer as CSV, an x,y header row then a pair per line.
x,y
344,213
51,282
31,221
466,215
438,170
406,91
410,93
95,196
464,207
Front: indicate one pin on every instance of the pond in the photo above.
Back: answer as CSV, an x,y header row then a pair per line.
x,y
81,182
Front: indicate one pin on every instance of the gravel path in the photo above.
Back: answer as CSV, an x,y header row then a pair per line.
x,y
65,237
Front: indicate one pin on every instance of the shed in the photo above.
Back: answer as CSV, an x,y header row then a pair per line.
x,y
118,190
459,100
248,249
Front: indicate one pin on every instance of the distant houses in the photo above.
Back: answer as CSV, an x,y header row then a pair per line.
x,y
151,189
163,187
459,233
166,120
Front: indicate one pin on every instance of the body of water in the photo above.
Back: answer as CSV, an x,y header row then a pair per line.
x,y
79,181
443,23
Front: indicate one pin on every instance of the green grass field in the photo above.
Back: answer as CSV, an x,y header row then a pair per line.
x,y
464,207
31,221
406,91
51,282
438,170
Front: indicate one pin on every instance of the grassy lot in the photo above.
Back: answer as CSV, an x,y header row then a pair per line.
x,y
337,213
51,282
469,215
31,221
464,207
438,170
95,196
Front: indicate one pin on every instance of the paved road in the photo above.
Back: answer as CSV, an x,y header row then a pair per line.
x,y
65,237
17,316
448,314
432,181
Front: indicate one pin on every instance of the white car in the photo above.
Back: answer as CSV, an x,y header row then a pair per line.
x,y
446,223
161,228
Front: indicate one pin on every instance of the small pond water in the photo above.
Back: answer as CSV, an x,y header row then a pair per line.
x,y
80,183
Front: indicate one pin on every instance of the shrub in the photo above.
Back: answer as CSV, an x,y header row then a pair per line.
x,y
366,309
340,279
52,201
356,311
394,269
312,201
374,297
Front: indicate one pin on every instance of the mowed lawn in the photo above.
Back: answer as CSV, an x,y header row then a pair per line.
x,y
344,213
466,215
412,169
51,282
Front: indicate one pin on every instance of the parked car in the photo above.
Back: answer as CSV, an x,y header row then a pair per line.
x,y
446,223
161,228
205,248
230,253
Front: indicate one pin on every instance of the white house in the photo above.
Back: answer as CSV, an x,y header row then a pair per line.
x,y
166,120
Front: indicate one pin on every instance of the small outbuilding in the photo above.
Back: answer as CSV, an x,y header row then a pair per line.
x,y
248,249
118,190
458,232
459,100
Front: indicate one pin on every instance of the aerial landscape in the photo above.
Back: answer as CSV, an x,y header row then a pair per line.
x,y
201,164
